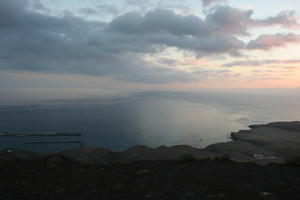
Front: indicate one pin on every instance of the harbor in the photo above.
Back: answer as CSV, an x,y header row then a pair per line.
x,y
41,142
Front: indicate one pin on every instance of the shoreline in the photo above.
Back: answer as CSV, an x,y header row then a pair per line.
x,y
231,170
267,143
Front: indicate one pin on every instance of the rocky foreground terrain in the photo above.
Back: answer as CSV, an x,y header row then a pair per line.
x,y
59,178
241,169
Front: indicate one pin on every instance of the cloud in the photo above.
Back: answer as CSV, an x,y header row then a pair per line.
x,y
144,6
260,63
286,19
229,20
88,11
235,21
168,61
212,74
267,42
37,41
101,9
110,9
207,3
156,21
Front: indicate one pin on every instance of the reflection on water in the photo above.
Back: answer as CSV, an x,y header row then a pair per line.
x,y
152,118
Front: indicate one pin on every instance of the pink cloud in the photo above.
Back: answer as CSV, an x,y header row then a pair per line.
x,y
255,63
286,19
267,42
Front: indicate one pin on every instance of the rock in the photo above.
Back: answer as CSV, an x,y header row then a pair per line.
x,y
186,157
143,172
265,194
268,195
53,167
225,157
17,154
90,155
53,163
149,196
234,136
188,194
294,161
292,126
182,167
118,186
56,160
60,191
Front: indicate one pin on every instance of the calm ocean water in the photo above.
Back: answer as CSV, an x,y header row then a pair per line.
x,y
152,118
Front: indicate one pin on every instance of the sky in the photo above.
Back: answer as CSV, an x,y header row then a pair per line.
x,y
76,48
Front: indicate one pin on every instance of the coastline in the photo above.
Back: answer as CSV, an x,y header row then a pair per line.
x,y
242,168
268,143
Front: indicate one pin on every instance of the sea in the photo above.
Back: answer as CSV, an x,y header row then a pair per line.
x,y
151,118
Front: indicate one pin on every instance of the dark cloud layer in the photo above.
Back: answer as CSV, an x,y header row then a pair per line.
x,y
36,41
